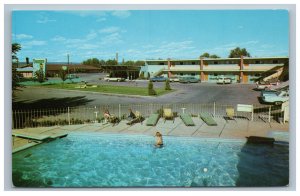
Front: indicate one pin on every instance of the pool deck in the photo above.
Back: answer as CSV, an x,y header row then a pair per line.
x,y
233,129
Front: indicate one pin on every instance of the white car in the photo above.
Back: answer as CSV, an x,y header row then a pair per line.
x,y
224,81
174,79
114,79
276,98
264,85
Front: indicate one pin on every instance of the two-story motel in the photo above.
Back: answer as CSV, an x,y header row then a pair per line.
x,y
243,69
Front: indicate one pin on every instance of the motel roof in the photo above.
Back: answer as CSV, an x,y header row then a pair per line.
x,y
55,67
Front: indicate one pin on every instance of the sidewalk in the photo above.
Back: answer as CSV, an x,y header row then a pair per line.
x,y
233,129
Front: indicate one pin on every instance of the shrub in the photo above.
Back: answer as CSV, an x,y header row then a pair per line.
x,y
40,75
151,91
167,85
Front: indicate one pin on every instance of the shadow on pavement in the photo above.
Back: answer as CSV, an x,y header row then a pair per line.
x,y
51,103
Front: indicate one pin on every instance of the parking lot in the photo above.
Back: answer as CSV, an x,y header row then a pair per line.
x,y
34,97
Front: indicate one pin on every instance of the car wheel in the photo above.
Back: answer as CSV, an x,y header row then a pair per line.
x,y
277,102
118,80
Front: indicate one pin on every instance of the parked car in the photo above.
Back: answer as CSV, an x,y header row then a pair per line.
x,y
158,79
223,80
188,79
276,98
72,76
261,85
267,92
114,79
174,79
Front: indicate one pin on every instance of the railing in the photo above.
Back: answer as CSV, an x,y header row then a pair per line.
x,y
81,115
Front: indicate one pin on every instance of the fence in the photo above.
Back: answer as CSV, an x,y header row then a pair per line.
x,y
82,115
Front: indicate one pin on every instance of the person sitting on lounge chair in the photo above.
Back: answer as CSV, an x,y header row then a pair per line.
x,y
131,115
159,140
110,118
106,116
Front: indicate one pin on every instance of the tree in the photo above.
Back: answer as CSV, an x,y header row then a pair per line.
x,y
139,63
167,85
238,52
207,55
204,55
213,56
63,75
40,75
15,75
151,90
92,61
111,62
15,47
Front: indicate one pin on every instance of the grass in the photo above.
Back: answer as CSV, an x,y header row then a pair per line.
x,y
126,90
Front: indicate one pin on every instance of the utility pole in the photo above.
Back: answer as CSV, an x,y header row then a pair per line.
x,y
117,57
68,56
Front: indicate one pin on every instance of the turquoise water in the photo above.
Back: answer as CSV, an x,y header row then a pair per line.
x,y
101,160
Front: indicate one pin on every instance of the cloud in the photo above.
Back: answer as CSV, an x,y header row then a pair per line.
x,y
29,44
121,14
92,35
86,13
22,36
58,38
102,19
109,30
87,46
44,20
111,39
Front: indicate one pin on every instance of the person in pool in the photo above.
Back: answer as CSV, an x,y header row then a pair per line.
x,y
159,140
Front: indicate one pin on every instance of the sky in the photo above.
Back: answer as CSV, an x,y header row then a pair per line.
x,y
148,34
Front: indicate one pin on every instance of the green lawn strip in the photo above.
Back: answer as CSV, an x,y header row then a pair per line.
x,y
126,90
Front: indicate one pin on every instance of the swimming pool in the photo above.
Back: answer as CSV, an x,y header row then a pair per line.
x,y
111,160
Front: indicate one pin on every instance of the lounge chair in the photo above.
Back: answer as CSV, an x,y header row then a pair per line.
x,y
188,121
229,114
168,114
208,119
113,120
138,118
152,120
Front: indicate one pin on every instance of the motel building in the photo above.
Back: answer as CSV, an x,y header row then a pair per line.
x,y
240,70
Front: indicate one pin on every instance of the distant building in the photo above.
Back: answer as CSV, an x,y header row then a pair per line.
x,y
54,69
242,70
26,72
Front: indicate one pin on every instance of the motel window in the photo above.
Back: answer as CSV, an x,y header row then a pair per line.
x,y
257,62
181,63
161,63
215,74
275,61
193,63
215,62
193,74
257,75
181,74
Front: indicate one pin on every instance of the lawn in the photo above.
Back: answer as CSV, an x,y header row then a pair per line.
x,y
126,90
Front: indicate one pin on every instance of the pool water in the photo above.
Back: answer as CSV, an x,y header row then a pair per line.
x,y
108,160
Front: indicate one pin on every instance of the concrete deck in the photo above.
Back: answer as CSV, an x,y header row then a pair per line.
x,y
233,129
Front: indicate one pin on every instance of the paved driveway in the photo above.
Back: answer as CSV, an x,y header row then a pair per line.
x,y
33,97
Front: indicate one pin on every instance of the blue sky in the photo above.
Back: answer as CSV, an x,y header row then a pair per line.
x,y
149,34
